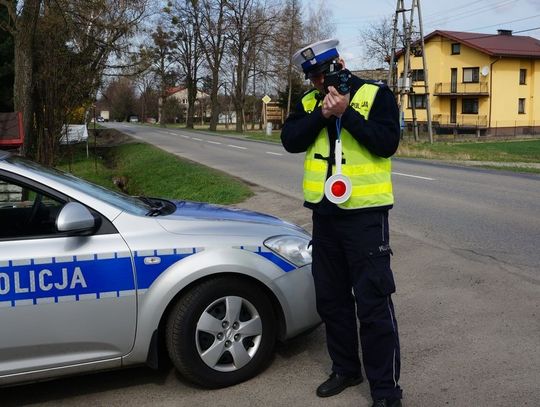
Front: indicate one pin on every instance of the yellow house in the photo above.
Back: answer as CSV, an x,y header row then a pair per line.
x,y
480,82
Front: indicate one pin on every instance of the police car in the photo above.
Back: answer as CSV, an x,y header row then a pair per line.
x,y
92,279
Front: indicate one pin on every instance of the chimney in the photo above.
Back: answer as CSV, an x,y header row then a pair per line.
x,y
504,32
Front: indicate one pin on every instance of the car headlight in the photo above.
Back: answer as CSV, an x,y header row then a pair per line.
x,y
295,249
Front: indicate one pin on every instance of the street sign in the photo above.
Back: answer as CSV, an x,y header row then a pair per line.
x,y
266,99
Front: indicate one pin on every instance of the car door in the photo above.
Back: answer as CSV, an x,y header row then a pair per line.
x,y
64,299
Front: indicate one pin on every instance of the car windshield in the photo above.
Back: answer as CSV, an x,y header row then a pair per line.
x,y
122,201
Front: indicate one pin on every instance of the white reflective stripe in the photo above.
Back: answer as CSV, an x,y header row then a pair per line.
x,y
63,259
105,256
184,251
66,298
46,300
395,333
19,303
83,297
23,262
85,257
44,260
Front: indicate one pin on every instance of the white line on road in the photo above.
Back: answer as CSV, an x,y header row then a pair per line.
x,y
413,176
213,142
198,139
270,152
241,148
171,133
181,135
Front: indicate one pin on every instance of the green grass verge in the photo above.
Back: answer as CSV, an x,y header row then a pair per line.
x,y
527,151
149,171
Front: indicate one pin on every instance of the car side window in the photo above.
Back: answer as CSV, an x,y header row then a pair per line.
x,y
26,212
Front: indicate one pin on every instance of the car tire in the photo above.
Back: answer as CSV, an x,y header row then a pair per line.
x,y
221,332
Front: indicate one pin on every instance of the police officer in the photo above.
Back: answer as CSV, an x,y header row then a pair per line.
x,y
351,248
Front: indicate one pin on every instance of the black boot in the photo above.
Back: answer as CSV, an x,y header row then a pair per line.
x,y
337,383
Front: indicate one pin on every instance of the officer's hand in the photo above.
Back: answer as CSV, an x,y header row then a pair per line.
x,y
334,103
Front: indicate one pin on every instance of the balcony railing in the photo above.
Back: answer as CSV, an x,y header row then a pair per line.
x,y
457,89
460,120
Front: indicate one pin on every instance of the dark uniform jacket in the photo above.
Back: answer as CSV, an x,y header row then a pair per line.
x,y
380,134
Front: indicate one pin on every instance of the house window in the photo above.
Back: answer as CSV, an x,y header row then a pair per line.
x,y
471,75
521,105
417,75
418,101
469,106
456,48
522,76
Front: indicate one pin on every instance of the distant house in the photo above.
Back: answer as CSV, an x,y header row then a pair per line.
x,y
202,102
482,81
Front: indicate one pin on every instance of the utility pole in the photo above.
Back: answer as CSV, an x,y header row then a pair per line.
x,y
403,86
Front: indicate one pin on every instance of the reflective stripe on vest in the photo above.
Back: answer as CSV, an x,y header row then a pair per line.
x,y
370,175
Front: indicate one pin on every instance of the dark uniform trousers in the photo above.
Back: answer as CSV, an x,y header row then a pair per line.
x,y
351,270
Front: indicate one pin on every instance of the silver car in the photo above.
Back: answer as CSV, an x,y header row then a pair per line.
x,y
92,279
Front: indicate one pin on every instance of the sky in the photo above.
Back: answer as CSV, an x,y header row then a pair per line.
x,y
479,16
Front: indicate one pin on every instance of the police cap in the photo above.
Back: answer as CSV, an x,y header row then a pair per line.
x,y
315,58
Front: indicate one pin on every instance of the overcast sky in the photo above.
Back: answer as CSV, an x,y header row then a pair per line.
x,y
481,16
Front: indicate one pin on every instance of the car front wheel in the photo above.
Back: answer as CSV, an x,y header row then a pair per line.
x,y
221,332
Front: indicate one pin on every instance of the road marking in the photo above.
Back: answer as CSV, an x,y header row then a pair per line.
x,y
198,139
270,152
241,148
413,176
171,133
181,135
213,142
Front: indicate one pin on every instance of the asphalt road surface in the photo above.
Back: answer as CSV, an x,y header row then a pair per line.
x,y
466,267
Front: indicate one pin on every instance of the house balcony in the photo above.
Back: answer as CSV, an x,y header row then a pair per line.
x,y
461,89
460,120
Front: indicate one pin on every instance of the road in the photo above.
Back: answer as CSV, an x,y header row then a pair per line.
x,y
486,212
466,267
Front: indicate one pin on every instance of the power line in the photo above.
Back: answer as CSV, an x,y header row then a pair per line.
x,y
529,29
470,13
505,22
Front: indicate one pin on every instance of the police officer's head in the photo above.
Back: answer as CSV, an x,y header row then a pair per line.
x,y
318,59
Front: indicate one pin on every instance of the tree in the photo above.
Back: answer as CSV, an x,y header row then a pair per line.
x,y
22,27
92,31
289,37
120,97
185,24
161,58
251,28
212,28
6,65
377,41
319,23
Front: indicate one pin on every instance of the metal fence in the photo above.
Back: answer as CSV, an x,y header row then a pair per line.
x,y
472,126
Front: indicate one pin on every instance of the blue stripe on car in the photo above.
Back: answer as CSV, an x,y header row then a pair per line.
x,y
93,277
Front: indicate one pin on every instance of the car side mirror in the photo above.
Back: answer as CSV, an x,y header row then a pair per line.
x,y
75,218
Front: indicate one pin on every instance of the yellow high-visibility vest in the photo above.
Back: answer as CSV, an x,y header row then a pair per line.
x,y
370,175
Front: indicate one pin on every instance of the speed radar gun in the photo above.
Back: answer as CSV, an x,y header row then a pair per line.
x,y
338,187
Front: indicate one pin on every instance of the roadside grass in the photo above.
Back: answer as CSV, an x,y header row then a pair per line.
x,y
525,151
514,151
146,170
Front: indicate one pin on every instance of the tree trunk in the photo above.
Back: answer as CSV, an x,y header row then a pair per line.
x,y
214,100
24,81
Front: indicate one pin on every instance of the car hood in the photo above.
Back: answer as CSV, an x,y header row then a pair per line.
x,y
199,211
